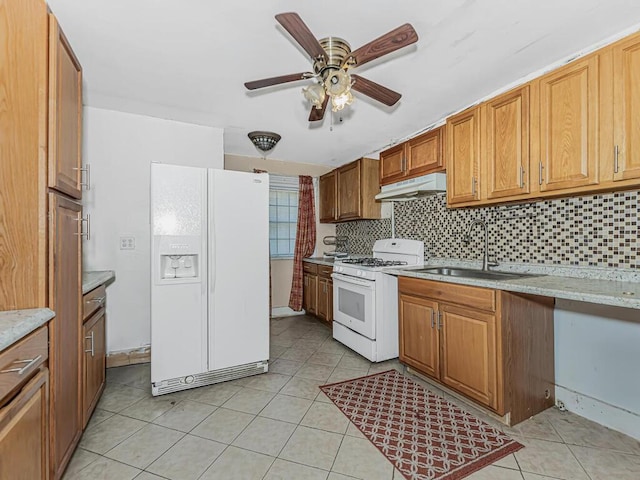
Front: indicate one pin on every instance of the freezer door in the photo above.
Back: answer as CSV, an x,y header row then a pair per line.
x,y
238,268
178,271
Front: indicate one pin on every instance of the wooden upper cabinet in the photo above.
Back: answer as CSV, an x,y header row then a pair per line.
x,y
392,164
569,126
328,199
505,149
463,157
23,142
65,114
418,156
626,104
357,186
349,178
425,153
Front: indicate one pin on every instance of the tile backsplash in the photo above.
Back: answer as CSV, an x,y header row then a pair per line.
x,y
592,231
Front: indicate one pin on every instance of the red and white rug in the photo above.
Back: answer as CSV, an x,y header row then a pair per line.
x,y
423,435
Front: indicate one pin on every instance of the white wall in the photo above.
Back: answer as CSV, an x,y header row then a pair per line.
x,y
597,357
120,148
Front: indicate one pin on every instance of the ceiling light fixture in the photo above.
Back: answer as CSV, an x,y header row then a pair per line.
x,y
264,141
334,82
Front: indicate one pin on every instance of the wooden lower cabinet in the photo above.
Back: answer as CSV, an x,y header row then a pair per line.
x,y
318,291
24,408
24,432
491,346
94,363
325,299
419,341
65,290
469,362
310,293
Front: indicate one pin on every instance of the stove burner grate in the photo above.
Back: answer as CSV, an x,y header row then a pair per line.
x,y
374,262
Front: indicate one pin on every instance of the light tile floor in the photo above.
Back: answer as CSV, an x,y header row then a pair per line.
x,y
280,426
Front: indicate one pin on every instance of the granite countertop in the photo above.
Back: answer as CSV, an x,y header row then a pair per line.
x,y
17,324
582,284
91,280
328,261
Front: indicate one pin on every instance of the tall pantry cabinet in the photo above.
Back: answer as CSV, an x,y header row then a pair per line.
x,y
41,225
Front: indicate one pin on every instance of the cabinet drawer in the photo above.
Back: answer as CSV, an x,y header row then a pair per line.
x,y
474,297
325,271
310,267
93,300
19,361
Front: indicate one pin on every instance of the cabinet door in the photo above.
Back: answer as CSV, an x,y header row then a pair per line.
x,y
23,142
323,299
64,342
328,200
393,164
506,146
93,365
310,294
463,157
626,104
469,358
349,205
569,127
65,114
24,432
419,343
425,153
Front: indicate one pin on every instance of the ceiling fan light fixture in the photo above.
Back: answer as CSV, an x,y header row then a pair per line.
x,y
338,102
264,141
338,83
314,94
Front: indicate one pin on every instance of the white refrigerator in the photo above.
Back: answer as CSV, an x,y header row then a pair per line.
x,y
210,276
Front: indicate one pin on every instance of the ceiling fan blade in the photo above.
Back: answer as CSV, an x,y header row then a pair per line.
x,y
387,43
293,24
375,90
318,113
267,82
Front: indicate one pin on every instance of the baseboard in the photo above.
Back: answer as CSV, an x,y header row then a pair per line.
x,y
285,312
600,412
129,357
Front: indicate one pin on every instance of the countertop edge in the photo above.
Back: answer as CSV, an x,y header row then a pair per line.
x,y
320,261
524,285
93,279
17,324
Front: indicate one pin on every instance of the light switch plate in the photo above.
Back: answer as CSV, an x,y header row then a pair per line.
x,y
127,242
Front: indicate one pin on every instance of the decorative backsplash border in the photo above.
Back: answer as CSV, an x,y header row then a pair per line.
x,y
592,231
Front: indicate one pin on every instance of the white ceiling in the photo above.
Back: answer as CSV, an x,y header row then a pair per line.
x,y
188,59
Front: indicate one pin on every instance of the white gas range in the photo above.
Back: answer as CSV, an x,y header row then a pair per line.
x,y
365,299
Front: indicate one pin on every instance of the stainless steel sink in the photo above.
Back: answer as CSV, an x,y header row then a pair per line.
x,y
472,273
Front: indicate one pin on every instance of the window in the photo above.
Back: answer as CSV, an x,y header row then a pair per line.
x,y
283,215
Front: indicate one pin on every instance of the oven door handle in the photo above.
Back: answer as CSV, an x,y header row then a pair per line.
x,y
370,284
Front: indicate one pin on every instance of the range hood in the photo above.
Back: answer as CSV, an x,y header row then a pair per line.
x,y
413,188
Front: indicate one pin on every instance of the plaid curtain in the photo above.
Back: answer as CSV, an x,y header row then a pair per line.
x,y
305,238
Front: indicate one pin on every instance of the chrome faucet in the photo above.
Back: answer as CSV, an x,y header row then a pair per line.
x,y
485,256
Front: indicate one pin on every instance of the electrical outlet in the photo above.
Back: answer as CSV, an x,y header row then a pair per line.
x,y
128,242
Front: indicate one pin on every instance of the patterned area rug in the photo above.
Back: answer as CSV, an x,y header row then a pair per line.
x,y
422,434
